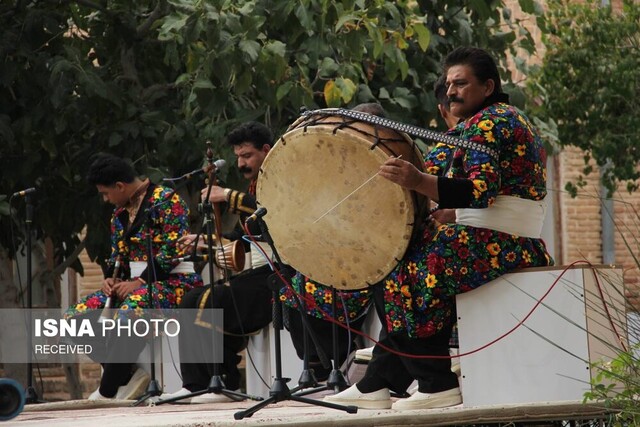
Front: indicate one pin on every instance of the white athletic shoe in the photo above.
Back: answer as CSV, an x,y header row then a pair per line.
x,y
182,392
420,400
213,398
97,396
380,399
202,398
364,355
136,386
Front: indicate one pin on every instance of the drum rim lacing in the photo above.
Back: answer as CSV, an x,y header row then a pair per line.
x,y
406,128
378,140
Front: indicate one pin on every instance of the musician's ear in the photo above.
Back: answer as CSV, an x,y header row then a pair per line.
x,y
489,85
266,148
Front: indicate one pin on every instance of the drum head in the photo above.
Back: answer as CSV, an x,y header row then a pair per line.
x,y
330,215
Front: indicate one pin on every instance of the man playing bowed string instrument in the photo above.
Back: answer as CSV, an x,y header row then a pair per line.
x,y
247,291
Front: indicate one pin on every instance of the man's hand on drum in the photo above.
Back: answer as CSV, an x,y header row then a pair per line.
x,y
408,176
217,194
402,173
185,243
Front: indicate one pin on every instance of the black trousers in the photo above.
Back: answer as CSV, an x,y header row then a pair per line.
x,y
246,304
322,341
387,369
115,374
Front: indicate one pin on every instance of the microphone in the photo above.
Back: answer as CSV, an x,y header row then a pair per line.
x,y
194,258
24,192
259,213
217,165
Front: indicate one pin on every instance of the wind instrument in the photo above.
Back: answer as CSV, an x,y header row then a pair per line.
x,y
108,303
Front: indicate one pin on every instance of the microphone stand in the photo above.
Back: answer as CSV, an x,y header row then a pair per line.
x,y
31,396
307,380
279,390
216,384
336,380
153,389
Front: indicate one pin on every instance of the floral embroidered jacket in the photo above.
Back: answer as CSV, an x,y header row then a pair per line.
x,y
165,215
317,298
420,292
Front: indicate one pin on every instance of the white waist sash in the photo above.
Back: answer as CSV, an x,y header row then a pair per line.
x,y
507,214
137,267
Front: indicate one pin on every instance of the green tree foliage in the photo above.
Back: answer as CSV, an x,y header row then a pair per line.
x,y
588,83
616,386
152,80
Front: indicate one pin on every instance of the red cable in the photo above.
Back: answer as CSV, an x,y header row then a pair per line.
x,y
329,318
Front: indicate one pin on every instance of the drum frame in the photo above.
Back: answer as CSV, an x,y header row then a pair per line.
x,y
337,261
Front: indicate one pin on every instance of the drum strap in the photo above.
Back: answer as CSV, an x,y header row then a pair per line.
x,y
406,128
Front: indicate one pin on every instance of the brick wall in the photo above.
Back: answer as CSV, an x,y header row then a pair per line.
x,y
581,222
580,218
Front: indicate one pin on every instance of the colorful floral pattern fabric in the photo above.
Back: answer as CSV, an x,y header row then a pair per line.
x,y
318,299
420,292
169,221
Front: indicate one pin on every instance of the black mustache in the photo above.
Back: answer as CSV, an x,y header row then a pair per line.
x,y
456,99
244,169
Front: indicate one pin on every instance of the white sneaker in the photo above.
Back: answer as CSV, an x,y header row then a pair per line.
x,y
380,399
455,368
214,398
136,386
413,389
364,355
182,392
202,398
420,400
455,362
97,396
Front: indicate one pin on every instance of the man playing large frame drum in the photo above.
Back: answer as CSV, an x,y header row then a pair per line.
x,y
497,189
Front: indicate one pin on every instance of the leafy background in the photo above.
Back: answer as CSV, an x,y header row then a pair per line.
x,y
151,81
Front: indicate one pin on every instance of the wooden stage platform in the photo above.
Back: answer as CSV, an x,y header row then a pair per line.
x,y
288,413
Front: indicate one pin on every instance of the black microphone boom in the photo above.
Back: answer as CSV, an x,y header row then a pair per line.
x,y
24,192
217,165
259,213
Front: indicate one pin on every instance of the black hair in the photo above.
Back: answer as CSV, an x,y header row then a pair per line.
x,y
371,108
481,62
254,133
108,169
440,92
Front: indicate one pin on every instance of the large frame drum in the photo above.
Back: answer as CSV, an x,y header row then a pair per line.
x,y
331,216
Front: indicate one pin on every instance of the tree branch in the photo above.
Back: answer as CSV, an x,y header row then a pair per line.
x,y
128,63
60,268
90,4
151,90
158,12
87,3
